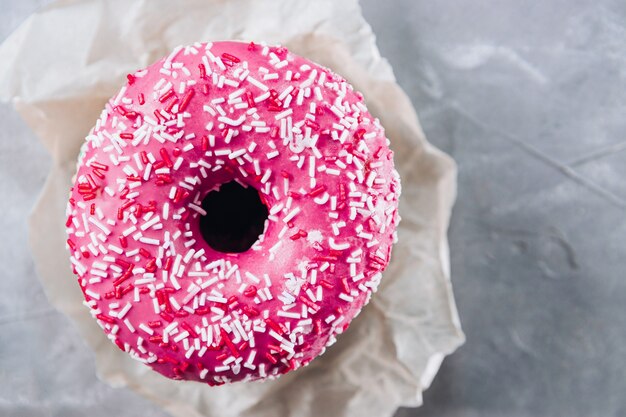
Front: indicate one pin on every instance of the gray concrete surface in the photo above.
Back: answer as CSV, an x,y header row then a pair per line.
x,y
530,99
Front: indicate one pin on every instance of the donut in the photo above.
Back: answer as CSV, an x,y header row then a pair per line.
x,y
233,210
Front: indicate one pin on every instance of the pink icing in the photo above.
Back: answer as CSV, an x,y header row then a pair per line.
x,y
205,115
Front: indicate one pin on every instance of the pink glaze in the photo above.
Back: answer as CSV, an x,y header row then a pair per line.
x,y
205,115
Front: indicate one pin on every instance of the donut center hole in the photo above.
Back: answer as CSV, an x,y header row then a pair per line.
x,y
235,218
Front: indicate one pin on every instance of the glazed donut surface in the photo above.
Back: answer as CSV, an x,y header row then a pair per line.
x,y
233,210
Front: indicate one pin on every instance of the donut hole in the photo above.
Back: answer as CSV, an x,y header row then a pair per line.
x,y
235,218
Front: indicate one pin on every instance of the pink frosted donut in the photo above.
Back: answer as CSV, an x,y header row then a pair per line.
x,y
233,210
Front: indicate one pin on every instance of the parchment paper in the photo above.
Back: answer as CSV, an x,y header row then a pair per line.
x,y
65,61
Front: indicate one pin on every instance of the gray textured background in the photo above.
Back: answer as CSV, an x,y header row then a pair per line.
x,y
530,99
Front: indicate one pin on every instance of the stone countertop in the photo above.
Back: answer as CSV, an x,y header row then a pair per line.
x,y
530,100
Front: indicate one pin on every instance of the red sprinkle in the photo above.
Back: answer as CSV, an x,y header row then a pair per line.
x,y
105,318
187,327
166,158
317,191
271,358
100,166
186,99
250,291
250,100
317,326
274,326
230,57
229,343
252,312
326,284
168,263
346,287
166,96
359,134
166,316
171,105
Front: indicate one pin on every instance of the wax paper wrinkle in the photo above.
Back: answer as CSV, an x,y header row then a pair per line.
x,y
66,60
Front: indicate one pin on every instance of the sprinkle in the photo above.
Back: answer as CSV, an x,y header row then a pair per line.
x,y
283,114
232,122
252,277
197,209
291,214
236,154
146,329
184,102
100,226
149,241
257,83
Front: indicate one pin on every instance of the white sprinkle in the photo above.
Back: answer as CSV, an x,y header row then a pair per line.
x,y
257,83
283,114
272,76
124,310
276,246
129,231
119,96
252,277
197,209
149,241
346,297
285,92
181,336
92,294
288,314
129,325
337,246
154,220
146,329
100,226
291,214
236,154
266,176
318,93
311,166
232,122
229,135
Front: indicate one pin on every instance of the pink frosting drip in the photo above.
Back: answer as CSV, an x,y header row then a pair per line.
x,y
205,115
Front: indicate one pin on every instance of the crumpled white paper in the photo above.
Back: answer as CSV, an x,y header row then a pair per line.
x,y
66,60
